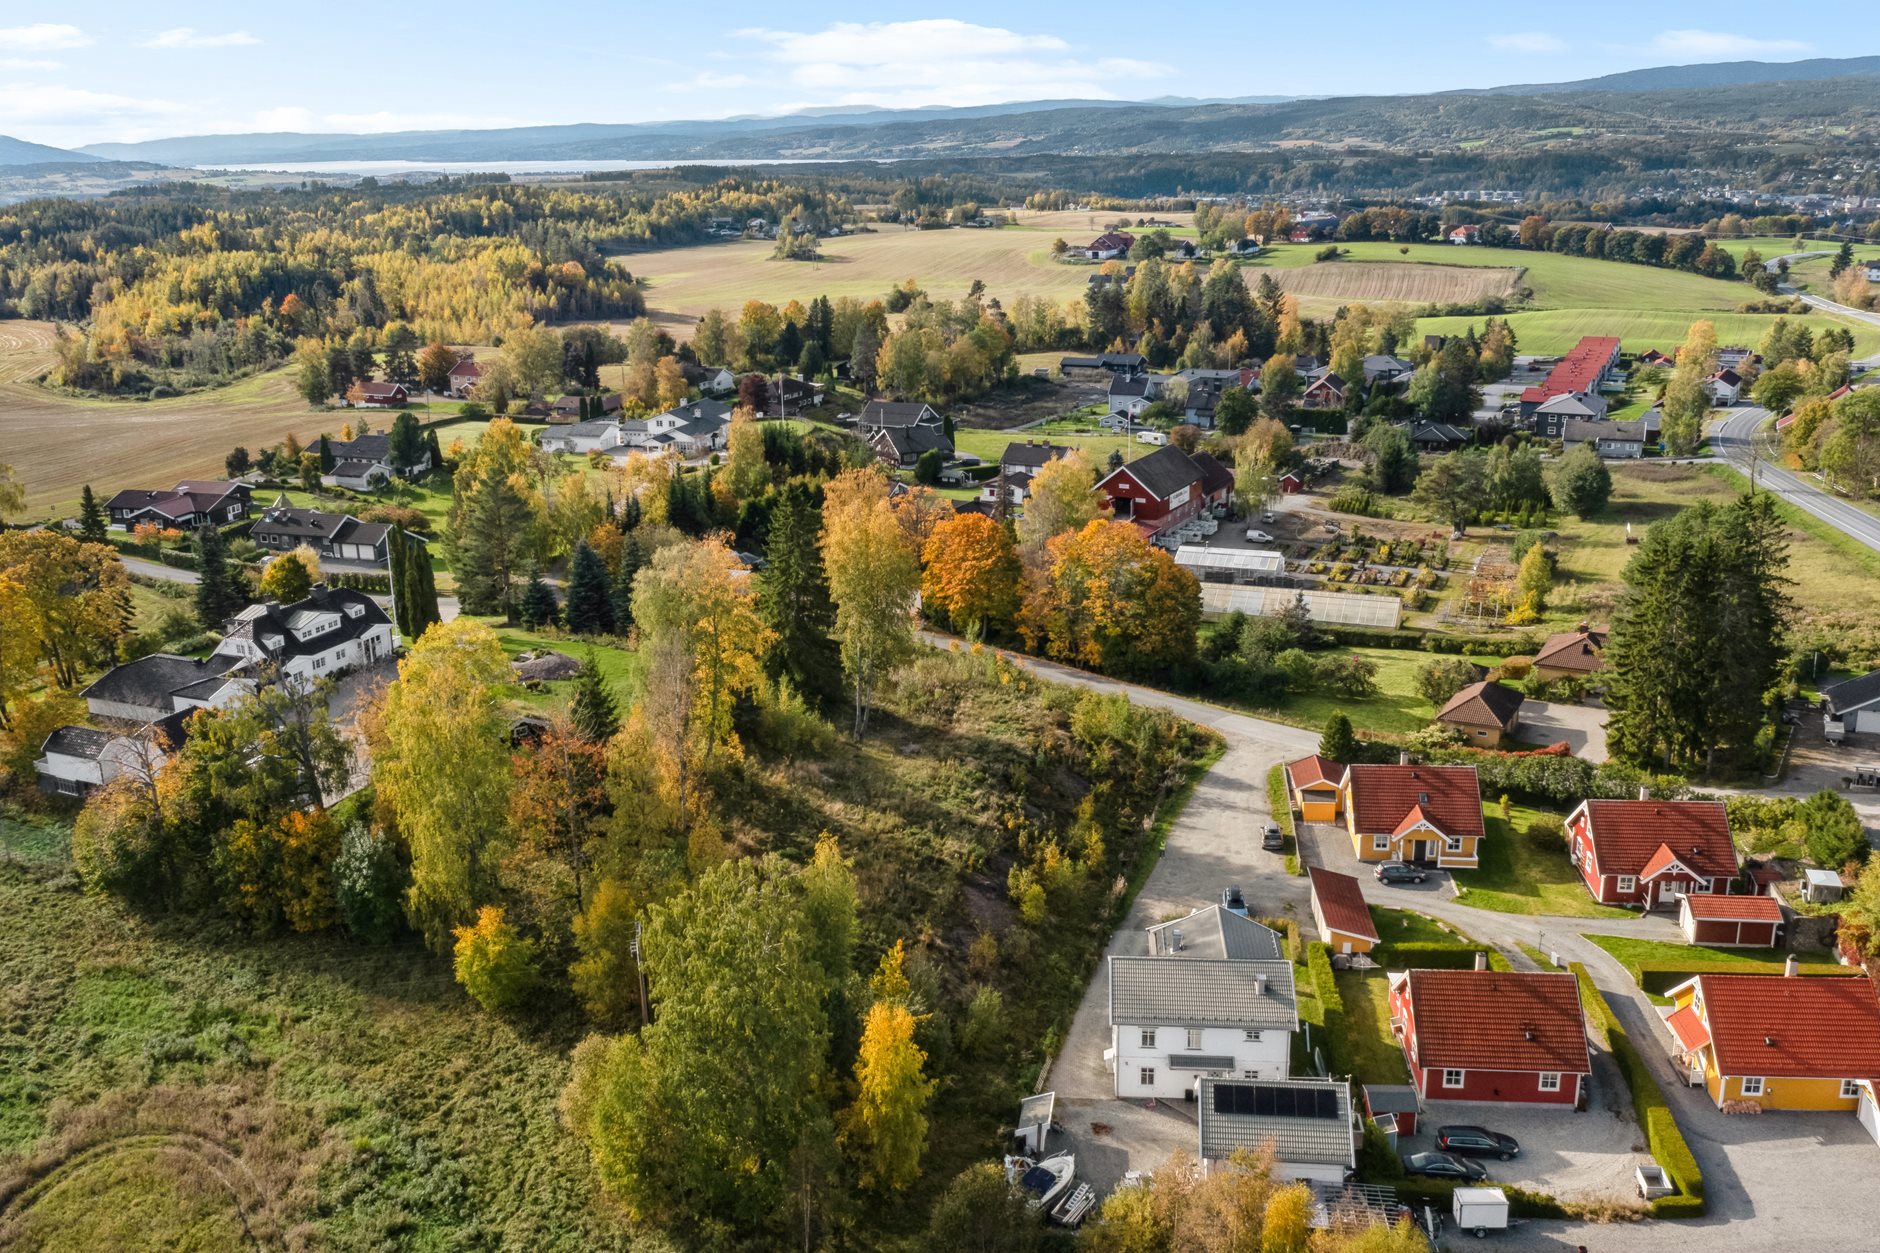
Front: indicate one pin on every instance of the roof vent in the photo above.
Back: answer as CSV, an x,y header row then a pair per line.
x,y
1769,1041
1177,939
1527,1032
1423,798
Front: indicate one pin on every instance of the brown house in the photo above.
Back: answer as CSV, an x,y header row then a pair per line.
x,y
1570,655
1487,712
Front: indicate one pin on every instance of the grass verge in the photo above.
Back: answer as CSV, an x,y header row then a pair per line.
x,y
1523,874
1280,805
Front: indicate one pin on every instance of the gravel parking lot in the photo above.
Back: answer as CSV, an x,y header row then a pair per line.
x,y
1583,727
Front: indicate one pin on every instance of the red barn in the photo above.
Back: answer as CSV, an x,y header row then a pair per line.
x,y
1649,852
1731,921
1492,1035
1163,489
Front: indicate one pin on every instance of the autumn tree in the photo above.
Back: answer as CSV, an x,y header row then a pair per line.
x,y
290,577
1109,600
76,597
311,378
972,573
1687,398
1061,499
886,1127
746,475
440,762
532,358
605,976
434,367
874,573
495,529
495,964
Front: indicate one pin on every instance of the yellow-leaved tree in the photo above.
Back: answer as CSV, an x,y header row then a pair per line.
x,y
1687,398
1108,599
290,576
886,1127
874,572
1061,500
972,573
440,762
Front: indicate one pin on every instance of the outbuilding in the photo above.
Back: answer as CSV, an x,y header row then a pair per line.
x,y
1338,907
1731,921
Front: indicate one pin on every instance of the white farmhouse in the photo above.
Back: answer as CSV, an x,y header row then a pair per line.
x,y
1214,997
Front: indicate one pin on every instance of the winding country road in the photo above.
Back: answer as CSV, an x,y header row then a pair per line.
x,y
1741,440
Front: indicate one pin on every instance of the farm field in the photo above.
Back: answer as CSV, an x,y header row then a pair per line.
x,y
1553,331
1321,288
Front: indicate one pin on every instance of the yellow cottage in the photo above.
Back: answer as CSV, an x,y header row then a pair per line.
x,y
1781,1041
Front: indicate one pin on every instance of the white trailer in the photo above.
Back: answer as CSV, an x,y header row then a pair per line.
x,y
1480,1210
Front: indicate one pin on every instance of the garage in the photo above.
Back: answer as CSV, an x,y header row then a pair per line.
x,y
1731,921
1856,702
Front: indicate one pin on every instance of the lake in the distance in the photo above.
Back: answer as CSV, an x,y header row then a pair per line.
x,y
363,168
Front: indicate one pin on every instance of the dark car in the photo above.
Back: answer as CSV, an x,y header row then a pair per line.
x,y
1233,902
1400,872
1477,1142
1444,1166
1273,839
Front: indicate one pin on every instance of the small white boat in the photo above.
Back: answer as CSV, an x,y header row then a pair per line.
x,y
1045,1179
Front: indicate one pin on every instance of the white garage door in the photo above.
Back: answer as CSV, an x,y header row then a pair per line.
x,y
1868,1112
1866,721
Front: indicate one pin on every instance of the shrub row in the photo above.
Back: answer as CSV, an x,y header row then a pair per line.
x,y
1430,955
1661,976
1662,1136
1295,943
1417,641
1278,800
380,583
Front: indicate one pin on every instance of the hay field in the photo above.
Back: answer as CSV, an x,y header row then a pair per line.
x,y
1322,288
1554,331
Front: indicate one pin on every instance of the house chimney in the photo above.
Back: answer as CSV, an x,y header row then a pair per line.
x,y
1644,793
1791,967
1481,961
1403,757
1178,939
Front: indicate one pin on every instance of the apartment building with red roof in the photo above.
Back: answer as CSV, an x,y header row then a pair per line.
x,y
1587,367
1650,853
1492,1035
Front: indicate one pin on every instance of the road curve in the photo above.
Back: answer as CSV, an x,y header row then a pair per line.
x,y
1738,439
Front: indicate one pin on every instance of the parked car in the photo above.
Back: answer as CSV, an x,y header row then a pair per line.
x,y
1400,872
1477,1142
1267,518
1258,537
1233,902
1444,1166
1273,839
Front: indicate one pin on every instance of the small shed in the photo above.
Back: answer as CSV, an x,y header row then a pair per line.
x,y
1034,1123
1393,1107
1338,907
1730,921
1822,887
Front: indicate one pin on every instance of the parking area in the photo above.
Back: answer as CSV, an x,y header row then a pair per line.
x,y
1582,727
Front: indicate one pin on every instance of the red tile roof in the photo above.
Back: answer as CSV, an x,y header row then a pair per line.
x,y
1626,835
1712,906
1341,903
1314,769
1381,797
1578,371
1823,1026
1689,1028
1498,1020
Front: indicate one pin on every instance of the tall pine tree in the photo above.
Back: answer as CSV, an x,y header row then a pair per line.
x,y
793,600
590,609
537,607
92,524
414,588
595,715
493,545
632,557
218,598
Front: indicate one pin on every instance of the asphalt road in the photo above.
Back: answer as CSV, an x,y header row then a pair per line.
x,y
1738,439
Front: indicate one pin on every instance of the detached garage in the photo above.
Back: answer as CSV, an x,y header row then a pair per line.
x,y
1731,921
1856,702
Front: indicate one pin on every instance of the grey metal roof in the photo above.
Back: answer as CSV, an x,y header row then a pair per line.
x,y
1217,933
149,681
1201,992
591,429
1300,1138
1850,694
1391,1098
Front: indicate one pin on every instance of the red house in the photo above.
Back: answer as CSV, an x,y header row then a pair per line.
x,y
1649,852
1163,489
1492,1035
1291,484
1325,392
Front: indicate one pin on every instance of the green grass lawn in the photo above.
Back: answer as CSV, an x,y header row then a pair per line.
x,y
1360,1044
1554,331
619,666
1396,709
1404,926
1657,965
1518,876
989,446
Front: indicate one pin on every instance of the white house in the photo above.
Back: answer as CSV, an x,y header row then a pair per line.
x,y
1855,702
75,760
1873,271
365,464
583,438
718,381
1214,997
332,631
1308,1122
1725,387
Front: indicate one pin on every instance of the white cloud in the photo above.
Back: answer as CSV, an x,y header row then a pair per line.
x,y
28,63
1710,43
190,37
74,105
1528,41
42,37
943,61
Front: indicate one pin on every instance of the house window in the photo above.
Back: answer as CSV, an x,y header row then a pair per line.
x,y
1850,1089
1148,1037
1628,883
1194,1038
1252,1037
1380,843
1752,1086
1550,1081
1453,843
1254,1074
1452,1078
1148,1076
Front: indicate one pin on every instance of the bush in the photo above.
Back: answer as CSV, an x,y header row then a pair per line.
x,y
1432,955
1319,965
368,884
495,965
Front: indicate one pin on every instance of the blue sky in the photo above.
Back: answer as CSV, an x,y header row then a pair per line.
x,y
110,70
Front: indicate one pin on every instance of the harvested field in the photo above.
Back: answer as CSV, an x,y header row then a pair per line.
x,y
1330,284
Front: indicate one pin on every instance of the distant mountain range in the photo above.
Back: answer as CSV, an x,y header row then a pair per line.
x,y
1737,93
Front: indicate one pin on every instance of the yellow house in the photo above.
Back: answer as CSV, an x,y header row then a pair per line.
x,y
1781,1041
1431,815
1338,907
1318,788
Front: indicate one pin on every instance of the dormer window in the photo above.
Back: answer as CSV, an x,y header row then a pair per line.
x,y
355,611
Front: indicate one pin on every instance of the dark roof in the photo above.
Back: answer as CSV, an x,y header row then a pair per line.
x,y
1215,477
149,681
364,448
1851,694
1214,932
1305,1120
1586,430
274,617
1032,456
1437,433
883,414
314,524
187,497
1163,472
912,441
1485,704
1128,387
84,742
381,391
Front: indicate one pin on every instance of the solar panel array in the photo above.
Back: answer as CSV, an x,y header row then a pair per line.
x,y
1269,1101
1330,608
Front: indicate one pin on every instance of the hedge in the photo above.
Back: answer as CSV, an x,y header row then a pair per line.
x,y
381,583
1661,976
1662,1136
1278,800
1417,641
1429,955
1290,930
1319,964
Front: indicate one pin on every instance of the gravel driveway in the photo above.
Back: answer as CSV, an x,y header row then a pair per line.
x,y
1583,727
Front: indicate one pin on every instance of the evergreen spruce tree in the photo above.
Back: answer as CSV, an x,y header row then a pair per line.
x,y
1338,743
793,599
537,607
489,552
414,587
431,445
93,526
595,715
218,598
590,608
406,445
632,557
326,455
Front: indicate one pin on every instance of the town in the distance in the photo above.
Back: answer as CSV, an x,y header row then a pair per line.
x,y
1122,694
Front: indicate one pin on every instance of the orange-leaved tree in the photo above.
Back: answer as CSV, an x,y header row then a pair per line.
x,y
1109,600
972,573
